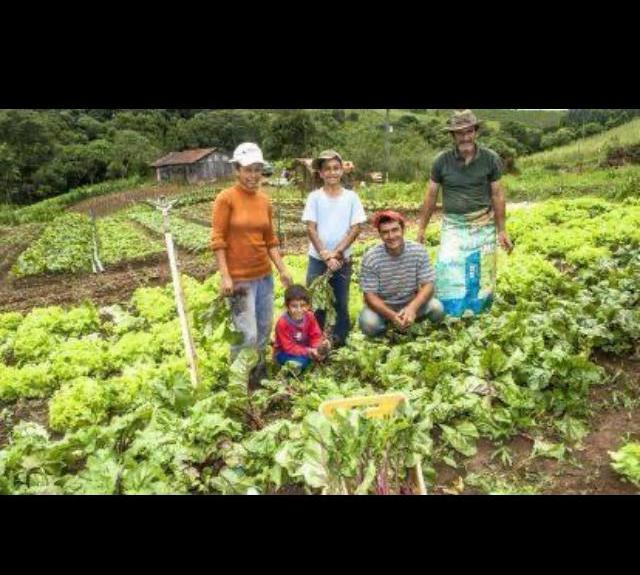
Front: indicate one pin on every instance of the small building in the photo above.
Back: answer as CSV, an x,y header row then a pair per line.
x,y
192,166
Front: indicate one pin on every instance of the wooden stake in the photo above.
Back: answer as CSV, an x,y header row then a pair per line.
x,y
189,346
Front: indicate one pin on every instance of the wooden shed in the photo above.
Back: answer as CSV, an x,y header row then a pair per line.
x,y
192,166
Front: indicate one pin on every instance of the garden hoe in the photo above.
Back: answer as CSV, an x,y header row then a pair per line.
x,y
164,206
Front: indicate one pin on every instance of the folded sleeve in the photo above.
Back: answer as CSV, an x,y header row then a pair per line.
x,y
497,168
437,170
359,216
368,276
310,213
220,223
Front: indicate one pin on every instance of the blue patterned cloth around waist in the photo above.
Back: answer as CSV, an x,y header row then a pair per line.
x,y
466,266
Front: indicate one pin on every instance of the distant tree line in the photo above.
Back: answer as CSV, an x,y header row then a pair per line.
x,y
47,152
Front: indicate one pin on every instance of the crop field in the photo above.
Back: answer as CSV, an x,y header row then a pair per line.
x,y
542,395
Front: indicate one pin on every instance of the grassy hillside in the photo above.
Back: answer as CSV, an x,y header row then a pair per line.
x,y
576,169
586,151
532,118
535,184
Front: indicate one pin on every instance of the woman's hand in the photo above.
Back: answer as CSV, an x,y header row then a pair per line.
x,y
226,286
285,279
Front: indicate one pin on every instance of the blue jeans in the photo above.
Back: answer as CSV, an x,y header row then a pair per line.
x,y
252,313
340,282
282,358
373,324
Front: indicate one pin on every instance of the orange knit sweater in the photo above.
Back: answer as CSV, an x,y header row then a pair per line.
x,y
243,227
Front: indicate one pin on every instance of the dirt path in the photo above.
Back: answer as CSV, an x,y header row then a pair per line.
x,y
116,285
10,254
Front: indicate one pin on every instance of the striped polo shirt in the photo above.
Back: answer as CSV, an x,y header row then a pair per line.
x,y
396,279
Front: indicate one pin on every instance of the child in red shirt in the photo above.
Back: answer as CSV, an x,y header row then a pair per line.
x,y
299,338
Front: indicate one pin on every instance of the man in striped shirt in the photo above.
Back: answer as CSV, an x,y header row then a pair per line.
x,y
397,280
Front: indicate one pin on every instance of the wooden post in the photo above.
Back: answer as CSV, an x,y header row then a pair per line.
x,y
421,488
95,257
189,347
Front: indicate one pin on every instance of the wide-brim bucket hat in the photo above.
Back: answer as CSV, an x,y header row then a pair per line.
x,y
462,120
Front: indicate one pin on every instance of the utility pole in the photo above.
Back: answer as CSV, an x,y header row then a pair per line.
x,y
387,130
581,117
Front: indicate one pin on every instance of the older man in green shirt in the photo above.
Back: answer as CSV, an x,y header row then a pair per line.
x,y
474,218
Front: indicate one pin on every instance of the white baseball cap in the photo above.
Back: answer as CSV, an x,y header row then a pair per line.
x,y
247,155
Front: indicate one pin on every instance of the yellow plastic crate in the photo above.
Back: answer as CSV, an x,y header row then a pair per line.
x,y
381,405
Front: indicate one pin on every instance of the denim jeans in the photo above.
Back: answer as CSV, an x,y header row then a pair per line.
x,y
282,358
252,313
340,282
373,324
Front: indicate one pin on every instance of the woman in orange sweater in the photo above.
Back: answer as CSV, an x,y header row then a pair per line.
x,y
245,246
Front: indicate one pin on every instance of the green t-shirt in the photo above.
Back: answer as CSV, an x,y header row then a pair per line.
x,y
466,188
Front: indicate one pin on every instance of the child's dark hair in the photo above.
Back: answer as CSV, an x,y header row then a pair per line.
x,y
296,293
